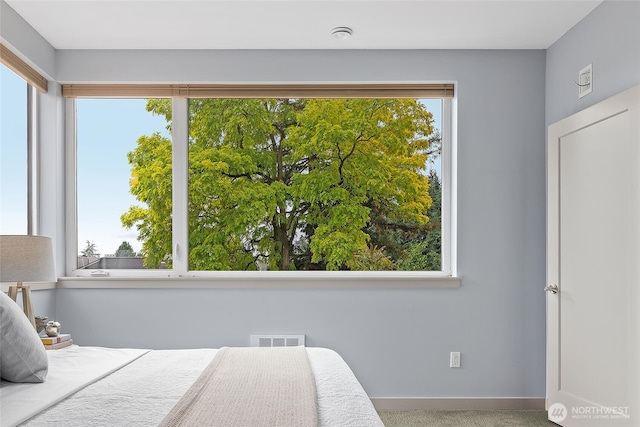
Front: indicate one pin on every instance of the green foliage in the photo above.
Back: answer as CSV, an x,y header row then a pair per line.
x,y
151,184
125,250
424,251
287,183
372,258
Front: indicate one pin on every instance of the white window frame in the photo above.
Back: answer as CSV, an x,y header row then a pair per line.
x,y
447,277
33,157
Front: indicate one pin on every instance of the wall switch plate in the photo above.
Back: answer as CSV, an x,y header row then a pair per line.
x,y
585,81
454,359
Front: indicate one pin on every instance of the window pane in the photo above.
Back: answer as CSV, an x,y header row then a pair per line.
x,y
13,153
314,184
123,180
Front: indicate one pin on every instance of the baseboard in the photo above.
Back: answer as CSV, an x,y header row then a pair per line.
x,y
457,404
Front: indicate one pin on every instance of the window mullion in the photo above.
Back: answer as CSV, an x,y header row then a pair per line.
x,y
71,199
180,192
32,162
448,192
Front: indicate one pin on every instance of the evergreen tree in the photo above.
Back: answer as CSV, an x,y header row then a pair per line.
x,y
125,250
90,250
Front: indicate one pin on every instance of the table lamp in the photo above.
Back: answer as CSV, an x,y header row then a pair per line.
x,y
26,259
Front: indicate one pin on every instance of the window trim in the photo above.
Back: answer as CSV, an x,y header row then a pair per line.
x,y
373,90
269,280
21,68
180,207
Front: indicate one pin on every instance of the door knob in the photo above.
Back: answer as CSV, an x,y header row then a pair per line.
x,y
553,288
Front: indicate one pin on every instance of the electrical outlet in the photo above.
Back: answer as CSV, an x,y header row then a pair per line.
x,y
585,81
454,359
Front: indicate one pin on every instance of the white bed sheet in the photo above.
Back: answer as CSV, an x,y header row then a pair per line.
x,y
143,392
70,370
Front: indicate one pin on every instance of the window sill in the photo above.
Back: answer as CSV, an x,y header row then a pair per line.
x,y
269,280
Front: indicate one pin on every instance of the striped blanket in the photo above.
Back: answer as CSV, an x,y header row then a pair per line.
x,y
251,387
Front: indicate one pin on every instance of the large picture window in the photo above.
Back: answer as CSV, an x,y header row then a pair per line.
x,y
263,183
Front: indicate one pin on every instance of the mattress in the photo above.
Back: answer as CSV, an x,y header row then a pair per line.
x,y
93,386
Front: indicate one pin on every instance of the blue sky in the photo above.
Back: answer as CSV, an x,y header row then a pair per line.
x,y
13,153
107,130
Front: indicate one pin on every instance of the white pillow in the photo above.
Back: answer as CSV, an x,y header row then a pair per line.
x,y
23,358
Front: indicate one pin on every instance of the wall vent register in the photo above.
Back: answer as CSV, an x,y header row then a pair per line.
x,y
277,340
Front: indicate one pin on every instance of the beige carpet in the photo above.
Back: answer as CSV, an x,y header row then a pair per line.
x,y
465,418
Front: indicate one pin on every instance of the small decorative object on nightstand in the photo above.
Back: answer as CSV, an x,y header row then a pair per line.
x,y
41,322
52,328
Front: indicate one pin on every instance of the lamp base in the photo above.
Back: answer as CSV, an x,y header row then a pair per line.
x,y
27,305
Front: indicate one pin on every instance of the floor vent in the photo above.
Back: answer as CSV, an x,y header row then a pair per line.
x,y
277,340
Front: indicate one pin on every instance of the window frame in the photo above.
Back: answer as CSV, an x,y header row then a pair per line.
x,y
33,158
180,140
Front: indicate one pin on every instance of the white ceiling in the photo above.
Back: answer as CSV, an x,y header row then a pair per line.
x,y
302,24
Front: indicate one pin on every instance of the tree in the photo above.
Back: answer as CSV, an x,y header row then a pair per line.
x,y
152,159
284,180
125,250
90,251
372,258
424,251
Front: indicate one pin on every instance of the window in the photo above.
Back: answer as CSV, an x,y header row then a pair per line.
x,y
313,184
14,165
19,84
108,132
263,183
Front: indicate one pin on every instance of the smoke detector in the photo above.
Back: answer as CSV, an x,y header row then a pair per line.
x,y
341,33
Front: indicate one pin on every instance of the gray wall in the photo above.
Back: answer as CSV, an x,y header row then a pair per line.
x,y
15,33
44,302
397,340
608,38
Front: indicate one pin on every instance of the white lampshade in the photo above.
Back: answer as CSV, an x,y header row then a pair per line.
x,y
26,259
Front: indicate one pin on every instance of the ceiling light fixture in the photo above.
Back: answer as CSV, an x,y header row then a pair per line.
x,y
341,33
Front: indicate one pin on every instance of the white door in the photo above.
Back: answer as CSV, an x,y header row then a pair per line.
x,y
593,259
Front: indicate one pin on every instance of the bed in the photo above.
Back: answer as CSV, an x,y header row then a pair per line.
x,y
96,386
93,386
